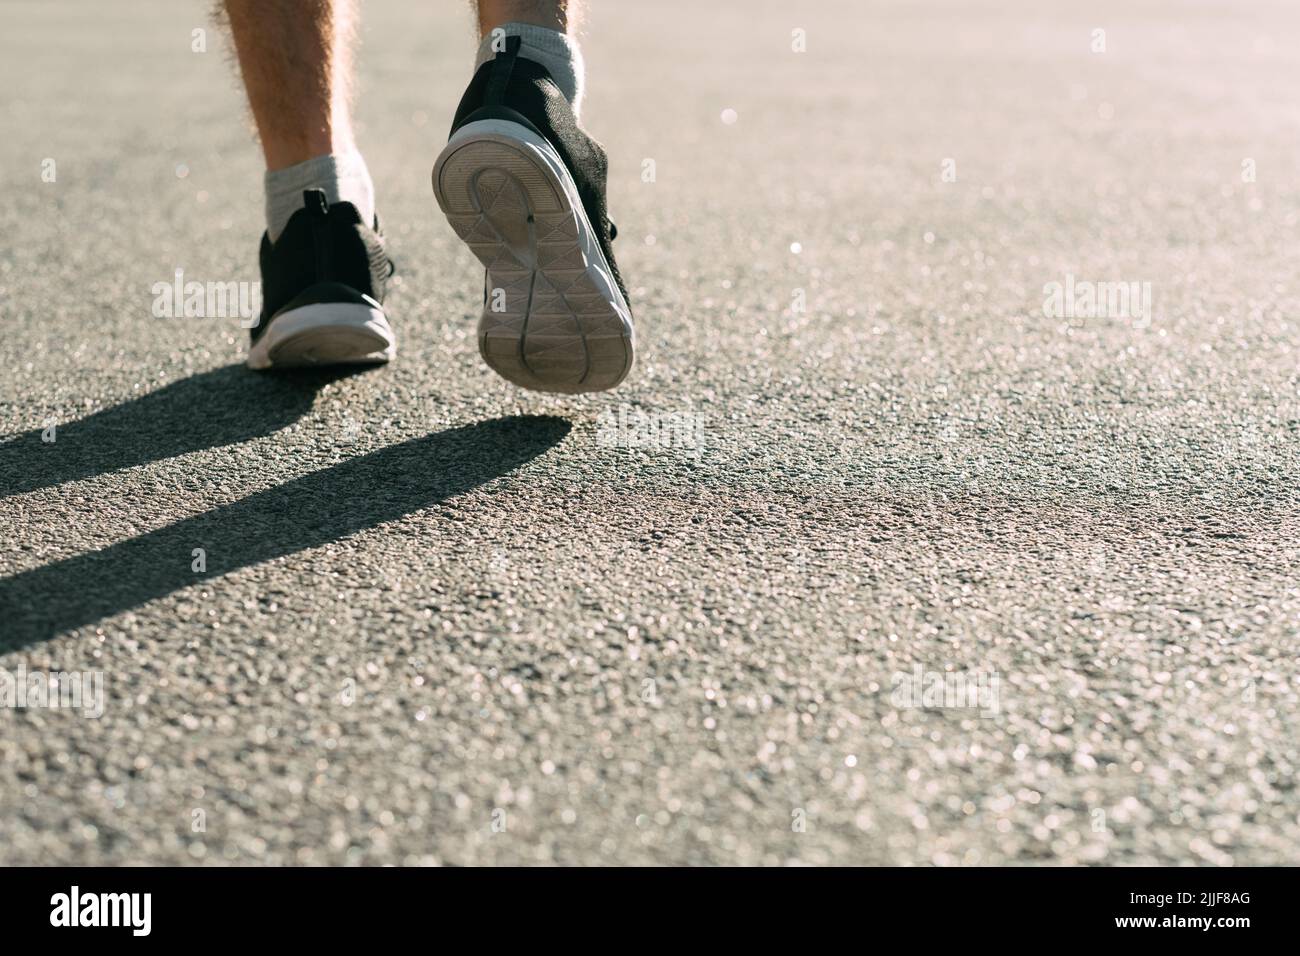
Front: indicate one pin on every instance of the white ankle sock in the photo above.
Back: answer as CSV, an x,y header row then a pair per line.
x,y
343,176
558,52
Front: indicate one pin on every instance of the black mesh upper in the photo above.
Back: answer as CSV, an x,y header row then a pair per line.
x,y
324,254
522,90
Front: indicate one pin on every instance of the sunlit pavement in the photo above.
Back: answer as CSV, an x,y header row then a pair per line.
x,y
950,515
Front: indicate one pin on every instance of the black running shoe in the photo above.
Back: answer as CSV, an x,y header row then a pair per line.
x,y
323,285
524,187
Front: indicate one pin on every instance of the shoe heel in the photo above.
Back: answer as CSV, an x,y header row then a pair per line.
x,y
549,321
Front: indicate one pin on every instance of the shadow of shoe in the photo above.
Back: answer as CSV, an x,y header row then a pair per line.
x,y
305,513
221,407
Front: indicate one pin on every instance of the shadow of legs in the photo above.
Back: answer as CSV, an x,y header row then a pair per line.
x,y
221,407
305,513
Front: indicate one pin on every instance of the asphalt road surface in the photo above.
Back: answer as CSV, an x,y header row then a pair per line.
x,y
883,554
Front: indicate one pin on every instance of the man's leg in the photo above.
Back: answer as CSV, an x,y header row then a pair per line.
x,y
524,186
548,29
559,15
323,263
296,60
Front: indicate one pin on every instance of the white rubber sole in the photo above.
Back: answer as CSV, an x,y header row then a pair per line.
x,y
554,319
330,333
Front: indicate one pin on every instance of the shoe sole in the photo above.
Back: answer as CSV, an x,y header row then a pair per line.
x,y
327,333
554,319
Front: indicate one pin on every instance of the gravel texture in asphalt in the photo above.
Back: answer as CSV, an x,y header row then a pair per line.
x,y
917,565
